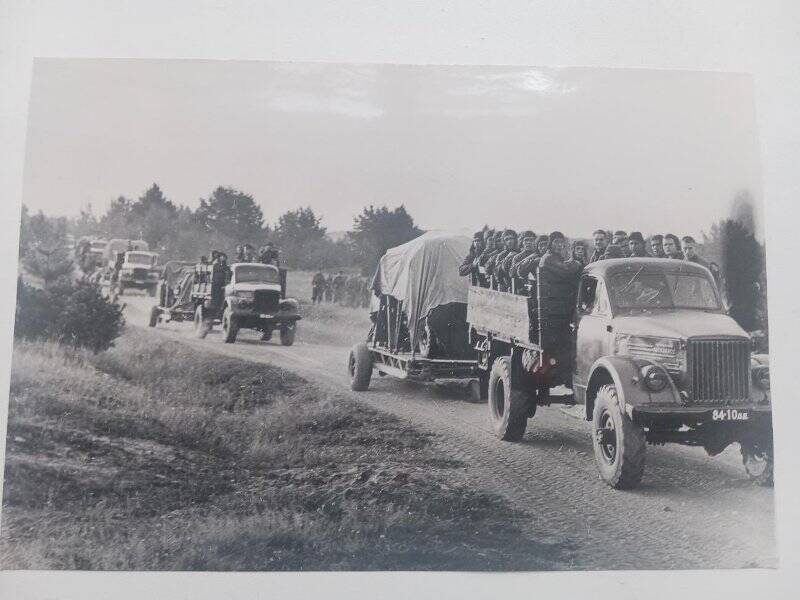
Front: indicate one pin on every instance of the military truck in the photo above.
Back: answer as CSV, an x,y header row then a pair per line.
x,y
140,271
647,349
245,296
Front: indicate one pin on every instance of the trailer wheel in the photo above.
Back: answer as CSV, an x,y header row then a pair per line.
x,y
619,444
287,334
201,324
507,407
230,326
758,464
359,366
154,316
266,335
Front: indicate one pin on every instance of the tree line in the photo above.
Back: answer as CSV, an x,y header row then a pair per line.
x,y
224,220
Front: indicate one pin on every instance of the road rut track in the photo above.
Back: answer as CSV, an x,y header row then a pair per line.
x,y
691,512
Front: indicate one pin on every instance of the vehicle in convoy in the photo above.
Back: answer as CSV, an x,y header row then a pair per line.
x,y
140,271
96,251
113,262
417,283
173,293
245,296
651,355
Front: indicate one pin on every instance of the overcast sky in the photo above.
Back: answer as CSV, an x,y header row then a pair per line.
x,y
569,149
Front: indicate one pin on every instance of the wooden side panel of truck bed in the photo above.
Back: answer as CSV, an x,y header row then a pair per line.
x,y
500,313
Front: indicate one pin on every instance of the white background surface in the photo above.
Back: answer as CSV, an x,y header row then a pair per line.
x,y
726,35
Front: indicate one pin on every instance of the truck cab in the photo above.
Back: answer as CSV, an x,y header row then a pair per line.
x,y
139,270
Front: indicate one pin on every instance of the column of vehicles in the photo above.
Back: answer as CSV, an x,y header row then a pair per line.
x,y
644,345
118,265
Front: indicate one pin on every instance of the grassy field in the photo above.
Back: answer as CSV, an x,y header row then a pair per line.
x,y
154,456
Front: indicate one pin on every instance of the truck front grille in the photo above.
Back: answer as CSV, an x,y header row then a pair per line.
x,y
718,370
140,273
267,301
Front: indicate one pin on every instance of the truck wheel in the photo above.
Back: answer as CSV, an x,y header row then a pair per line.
x,y
759,465
507,407
154,316
359,366
230,327
266,335
619,444
201,327
287,334
151,291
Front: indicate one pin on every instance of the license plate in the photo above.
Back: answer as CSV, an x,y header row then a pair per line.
x,y
730,414
139,281
265,316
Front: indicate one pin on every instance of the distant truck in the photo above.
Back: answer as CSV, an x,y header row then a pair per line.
x,y
651,355
140,271
250,296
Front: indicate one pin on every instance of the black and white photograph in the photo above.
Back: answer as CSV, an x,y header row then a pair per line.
x,y
284,316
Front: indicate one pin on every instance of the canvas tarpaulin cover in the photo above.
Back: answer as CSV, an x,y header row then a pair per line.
x,y
423,274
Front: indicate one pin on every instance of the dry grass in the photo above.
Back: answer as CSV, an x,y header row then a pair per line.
x,y
154,456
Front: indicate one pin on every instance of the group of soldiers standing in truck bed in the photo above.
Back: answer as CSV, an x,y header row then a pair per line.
x,y
504,259
342,289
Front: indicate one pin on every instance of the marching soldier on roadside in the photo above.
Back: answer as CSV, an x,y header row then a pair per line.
x,y
329,288
600,243
691,255
636,245
672,247
317,287
657,246
338,287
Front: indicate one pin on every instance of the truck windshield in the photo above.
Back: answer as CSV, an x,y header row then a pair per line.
x,y
662,290
257,274
139,259
98,245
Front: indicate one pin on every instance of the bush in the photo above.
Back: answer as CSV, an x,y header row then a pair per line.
x,y
72,314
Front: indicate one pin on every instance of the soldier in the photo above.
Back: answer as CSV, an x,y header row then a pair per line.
x,y
672,247
527,266
468,267
636,245
353,289
269,255
527,249
317,287
657,246
249,253
240,254
620,239
494,266
338,287
600,243
366,293
612,251
579,252
691,255
329,288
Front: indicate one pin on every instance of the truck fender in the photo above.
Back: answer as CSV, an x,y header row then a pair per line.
x,y
625,373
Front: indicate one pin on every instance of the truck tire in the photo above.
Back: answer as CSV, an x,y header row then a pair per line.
x,y
154,312
619,444
151,291
508,407
359,366
287,334
230,326
201,324
266,335
759,465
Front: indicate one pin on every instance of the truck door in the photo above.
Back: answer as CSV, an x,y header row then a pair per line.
x,y
593,318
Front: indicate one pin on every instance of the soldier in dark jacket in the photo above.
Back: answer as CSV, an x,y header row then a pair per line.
x,y
468,267
620,239
494,267
527,250
269,255
600,244
672,247
329,288
527,266
612,251
579,252
636,245
657,246
691,255
338,287
317,287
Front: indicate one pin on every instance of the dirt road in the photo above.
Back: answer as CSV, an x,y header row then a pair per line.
x,y
691,512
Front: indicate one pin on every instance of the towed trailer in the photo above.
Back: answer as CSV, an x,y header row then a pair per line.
x,y
417,283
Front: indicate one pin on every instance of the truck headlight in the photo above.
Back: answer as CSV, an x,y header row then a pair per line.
x,y
668,352
655,379
245,295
